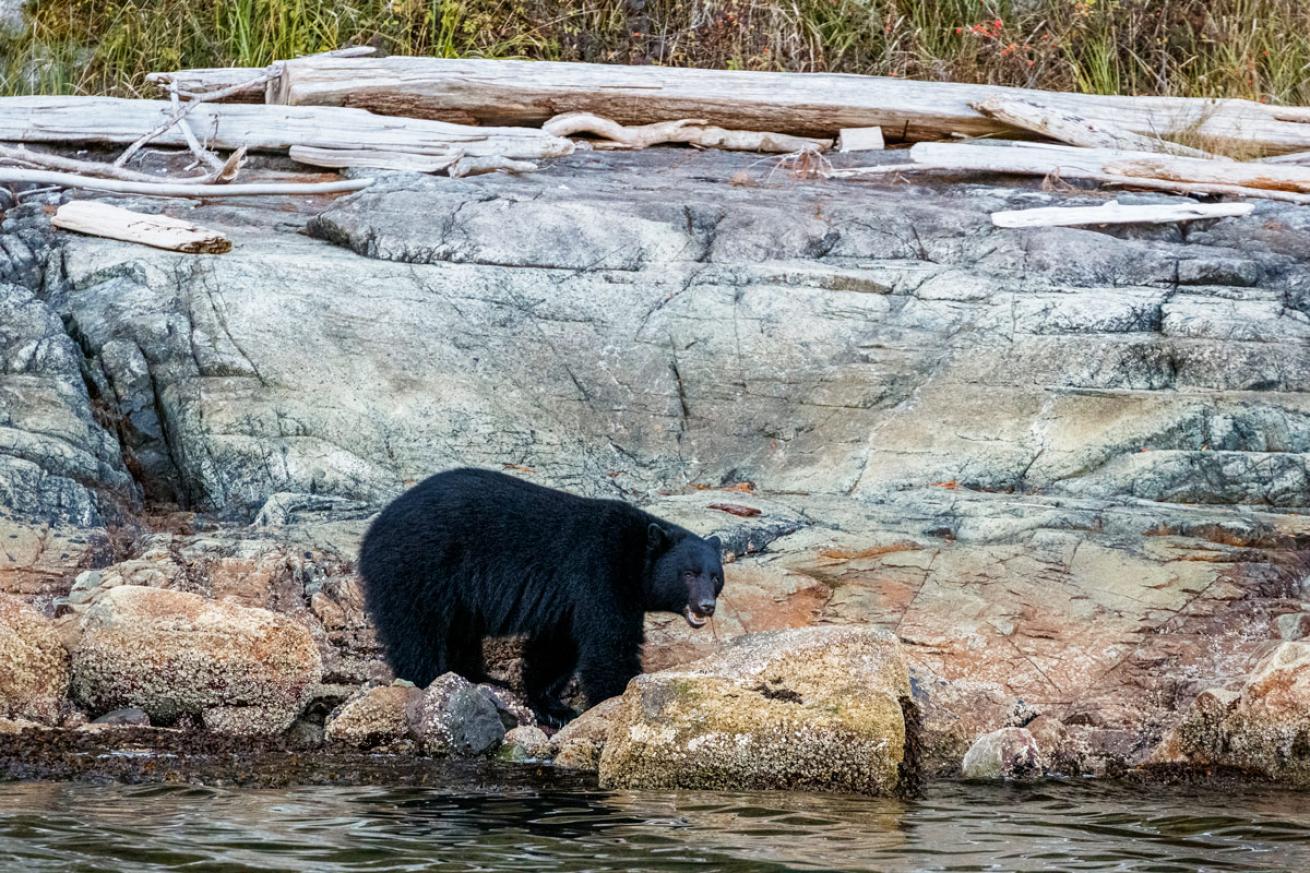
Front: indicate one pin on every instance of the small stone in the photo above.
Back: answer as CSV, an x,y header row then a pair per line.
x,y
132,715
1009,753
452,717
304,735
525,744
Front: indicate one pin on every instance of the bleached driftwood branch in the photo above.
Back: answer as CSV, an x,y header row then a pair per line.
x,y
1117,213
176,189
111,222
693,131
1073,129
46,161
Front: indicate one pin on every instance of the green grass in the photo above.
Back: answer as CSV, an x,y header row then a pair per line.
x,y
1258,49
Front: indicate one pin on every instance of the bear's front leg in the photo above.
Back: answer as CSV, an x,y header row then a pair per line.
x,y
607,666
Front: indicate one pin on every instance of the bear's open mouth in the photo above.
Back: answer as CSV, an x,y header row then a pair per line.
x,y
694,618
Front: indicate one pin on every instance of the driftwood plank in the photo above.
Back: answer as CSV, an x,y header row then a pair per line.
x,y
112,222
68,120
806,104
1117,213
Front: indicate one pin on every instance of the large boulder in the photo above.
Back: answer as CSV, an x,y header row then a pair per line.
x,y
33,663
1263,728
805,709
174,654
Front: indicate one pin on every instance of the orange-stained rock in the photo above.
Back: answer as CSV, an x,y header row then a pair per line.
x,y
242,670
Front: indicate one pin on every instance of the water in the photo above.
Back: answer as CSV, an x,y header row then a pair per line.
x,y
88,827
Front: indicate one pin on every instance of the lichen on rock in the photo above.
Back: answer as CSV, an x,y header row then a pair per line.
x,y
807,709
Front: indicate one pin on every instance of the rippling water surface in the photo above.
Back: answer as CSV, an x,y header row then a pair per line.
x,y
72,826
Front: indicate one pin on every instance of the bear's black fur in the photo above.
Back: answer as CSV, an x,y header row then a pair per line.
x,y
470,553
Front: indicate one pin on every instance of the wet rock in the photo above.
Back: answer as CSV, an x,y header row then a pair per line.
x,y
34,670
132,715
524,744
175,654
1264,727
578,745
453,717
806,709
1009,753
372,717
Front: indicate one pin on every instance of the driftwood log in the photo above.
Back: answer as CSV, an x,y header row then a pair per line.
x,y
77,120
805,104
112,222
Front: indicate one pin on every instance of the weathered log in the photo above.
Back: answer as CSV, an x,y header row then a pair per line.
x,y
112,222
1073,129
1114,212
805,104
177,189
68,120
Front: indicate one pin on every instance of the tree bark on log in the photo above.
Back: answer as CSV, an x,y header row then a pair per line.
x,y
804,104
69,120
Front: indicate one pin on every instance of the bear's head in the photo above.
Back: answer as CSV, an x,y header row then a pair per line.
x,y
686,574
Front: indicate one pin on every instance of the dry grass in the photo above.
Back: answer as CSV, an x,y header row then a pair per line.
x,y
1243,48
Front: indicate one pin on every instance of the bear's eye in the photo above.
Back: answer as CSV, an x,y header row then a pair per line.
x,y
687,574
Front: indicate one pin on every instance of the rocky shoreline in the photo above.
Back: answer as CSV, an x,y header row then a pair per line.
x,y
1062,471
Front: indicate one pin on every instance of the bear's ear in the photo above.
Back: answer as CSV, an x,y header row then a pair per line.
x,y
714,543
657,538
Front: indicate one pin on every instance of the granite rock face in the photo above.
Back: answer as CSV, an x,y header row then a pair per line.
x,y
1064,466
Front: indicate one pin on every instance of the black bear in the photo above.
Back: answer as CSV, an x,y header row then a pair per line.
x,y
468,553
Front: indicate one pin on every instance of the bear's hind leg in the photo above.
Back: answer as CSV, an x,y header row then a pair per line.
x,y
417,652
464,648
549,660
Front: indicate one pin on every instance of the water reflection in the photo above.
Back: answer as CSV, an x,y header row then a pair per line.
x,y
70,826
